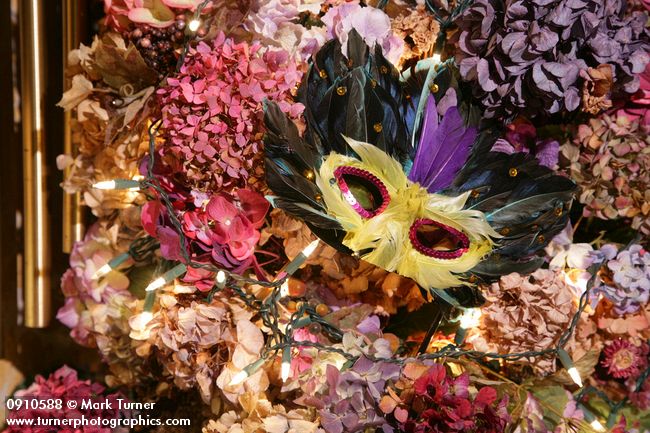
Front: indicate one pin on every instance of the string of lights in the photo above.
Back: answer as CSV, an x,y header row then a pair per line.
x,y
277,319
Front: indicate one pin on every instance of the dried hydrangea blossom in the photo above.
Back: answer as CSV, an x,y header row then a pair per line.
x,y
96,162
97,311
635,325
625,279
349,402
189,338
212,112
266,417
609,158
348,278
111,85
64,385
525,312
281,24
419,31
244,350
346,399
371,23
435,401
219,228
526,56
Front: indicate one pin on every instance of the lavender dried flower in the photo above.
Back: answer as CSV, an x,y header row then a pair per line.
x,y
526,56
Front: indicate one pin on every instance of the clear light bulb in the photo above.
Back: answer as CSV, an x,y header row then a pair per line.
x,y
285,368
221,277
101,272
436,58
471,318
571,369
239,378
575,376
105,184
156,284
596,425
309,249
128,184
194,25
285,371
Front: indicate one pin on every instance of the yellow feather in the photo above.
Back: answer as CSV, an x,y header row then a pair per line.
x,y
387,234
380,164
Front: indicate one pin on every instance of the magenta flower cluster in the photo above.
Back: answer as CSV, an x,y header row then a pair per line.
x,y
443,404
64,385
222,229
212,112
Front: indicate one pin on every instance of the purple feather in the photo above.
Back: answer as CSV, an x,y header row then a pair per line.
x,y
442,150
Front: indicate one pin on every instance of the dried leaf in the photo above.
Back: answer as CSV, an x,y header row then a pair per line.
x,y
134,108
229,14
414,370
276,424
553,398
349,317
585,366
387,404
119,67
249,336
156,14
81,88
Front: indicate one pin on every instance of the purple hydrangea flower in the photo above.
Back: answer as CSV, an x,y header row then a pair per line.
x,y
526,56
629,285
372,24
350,400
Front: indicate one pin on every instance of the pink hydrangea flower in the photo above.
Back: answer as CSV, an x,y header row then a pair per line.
x,y
277,23
88,299
639,106
372,24
223,229
212,112
64,385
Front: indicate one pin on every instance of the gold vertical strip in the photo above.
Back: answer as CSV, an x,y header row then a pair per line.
x,y
73,221
36,237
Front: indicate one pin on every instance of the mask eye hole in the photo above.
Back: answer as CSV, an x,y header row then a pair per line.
x,y
363,190
438,240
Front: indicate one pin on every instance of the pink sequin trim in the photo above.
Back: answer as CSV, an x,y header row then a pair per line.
x,y
349,197
456,235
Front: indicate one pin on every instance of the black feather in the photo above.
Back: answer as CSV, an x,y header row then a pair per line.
x,y
526,203
495,267
360,97
282,138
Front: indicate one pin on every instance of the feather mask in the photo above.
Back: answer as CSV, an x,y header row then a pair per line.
x,y
398,225
379,173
